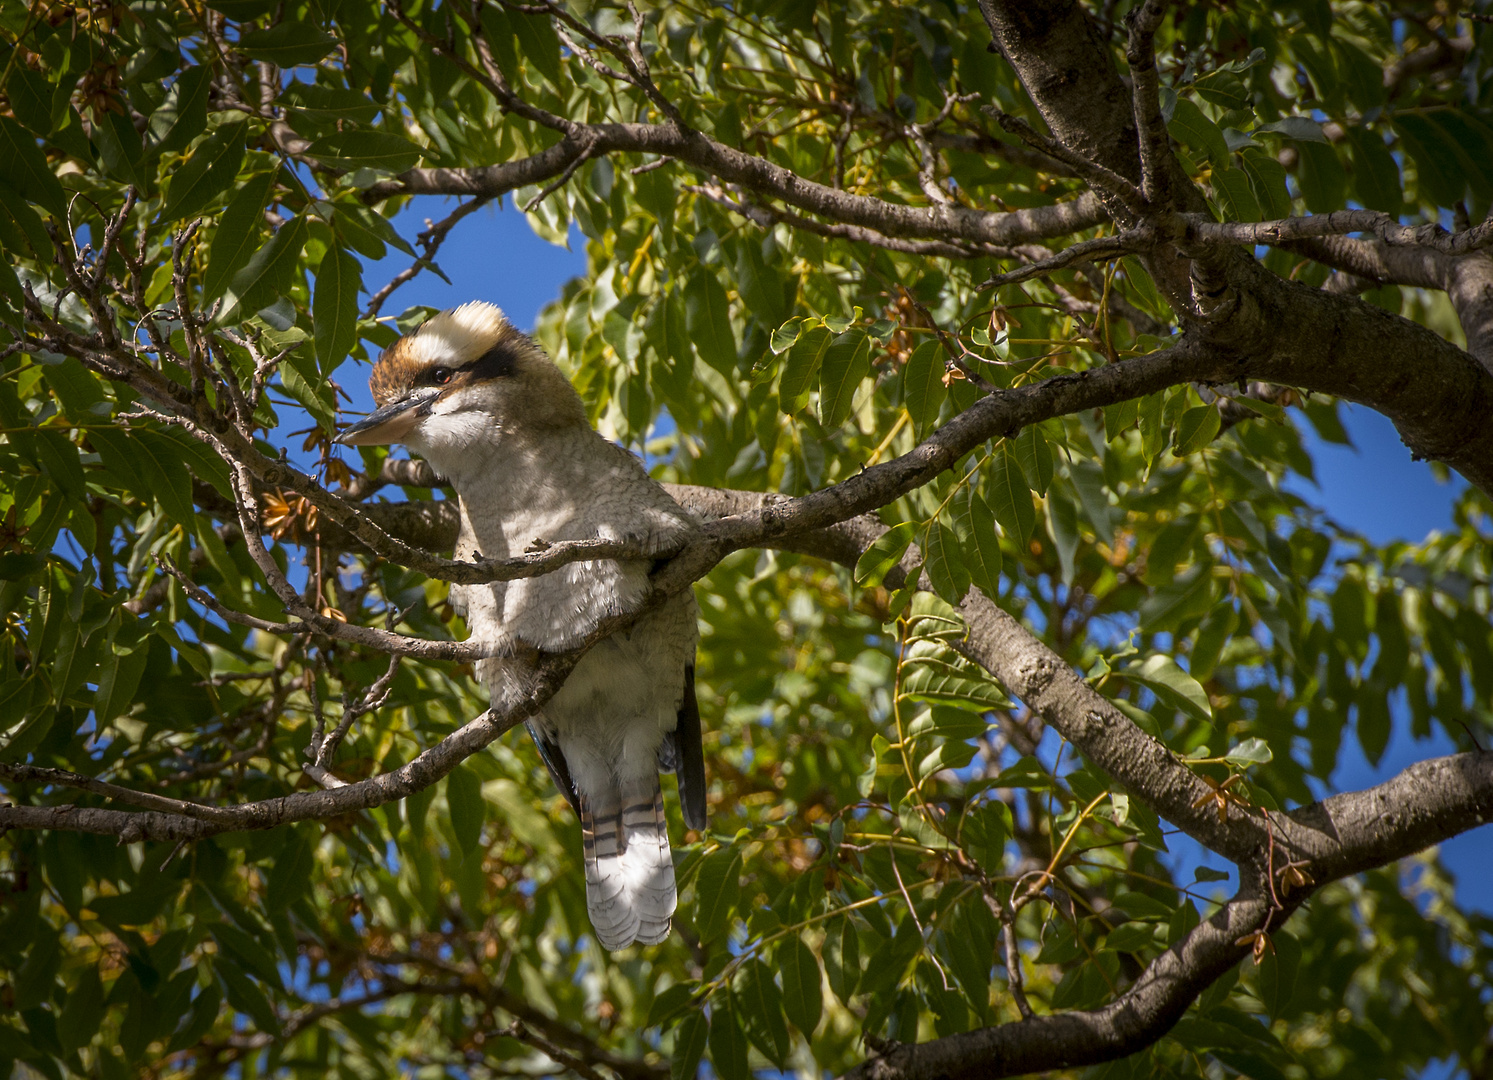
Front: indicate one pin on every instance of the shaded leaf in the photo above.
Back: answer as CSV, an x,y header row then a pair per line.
x,y
237,235
334,307
717,890
1010,497
1197,428
846,362
885,553
361,148
209,172
802,996
288,43
922,385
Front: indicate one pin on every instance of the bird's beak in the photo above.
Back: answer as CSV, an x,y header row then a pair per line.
x,y
387,425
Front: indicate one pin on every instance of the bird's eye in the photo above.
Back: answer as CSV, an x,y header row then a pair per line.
x,y
440,376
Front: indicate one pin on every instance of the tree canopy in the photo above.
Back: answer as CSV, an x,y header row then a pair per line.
x,y
981,337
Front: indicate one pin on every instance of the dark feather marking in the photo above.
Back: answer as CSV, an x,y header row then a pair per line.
x,y
691,756
668,753
498,362
554,761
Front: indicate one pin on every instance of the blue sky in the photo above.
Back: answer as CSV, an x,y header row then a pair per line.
x,y
1373,488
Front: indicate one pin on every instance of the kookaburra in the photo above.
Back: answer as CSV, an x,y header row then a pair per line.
x,y
494,415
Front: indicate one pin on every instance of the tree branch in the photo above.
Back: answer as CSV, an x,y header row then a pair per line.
x,y
951,223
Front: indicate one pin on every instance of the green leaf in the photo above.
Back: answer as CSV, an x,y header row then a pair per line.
x,y
238,233
1376,174
717,890
1250,752
937,674
689,1046
1035,457
268,274
183,115
784,337
728,1044
290,876
801,368
1196,429
249,953
1235,196
1224,89
951,754
334,308
204,1014
1162,675
329,105
923,390
654,193
760,1006
1374,722
118,681
288,44
539,46
1214,632
59,460
1439,177
158,461
803,999
364,231
760,285
1267,177
846,362
1010,497
889,963
24,167
982,547
984,831
211,170
82,1012
887,551
119,146
1321,177
1131,937
944,561
23,231
707,316
1299,128
31,96
842,959
1190,126
1277,972
467,807
246,996
670,1002
361,148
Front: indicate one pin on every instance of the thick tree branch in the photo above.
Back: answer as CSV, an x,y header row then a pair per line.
x,y
1106,736
951,223
1133,1021
1467,280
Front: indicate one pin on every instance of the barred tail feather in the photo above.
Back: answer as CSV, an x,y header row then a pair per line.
x,y
629,869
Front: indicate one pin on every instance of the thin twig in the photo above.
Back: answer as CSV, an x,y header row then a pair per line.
x,y
1104,179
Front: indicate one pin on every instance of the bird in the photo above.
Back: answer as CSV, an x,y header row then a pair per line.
x,y
497,418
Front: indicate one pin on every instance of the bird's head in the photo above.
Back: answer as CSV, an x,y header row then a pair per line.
x,y
464,377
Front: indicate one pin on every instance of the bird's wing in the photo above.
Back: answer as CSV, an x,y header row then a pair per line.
x,y
554,761
690,756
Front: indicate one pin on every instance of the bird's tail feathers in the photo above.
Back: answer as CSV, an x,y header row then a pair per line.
x,y
630,892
